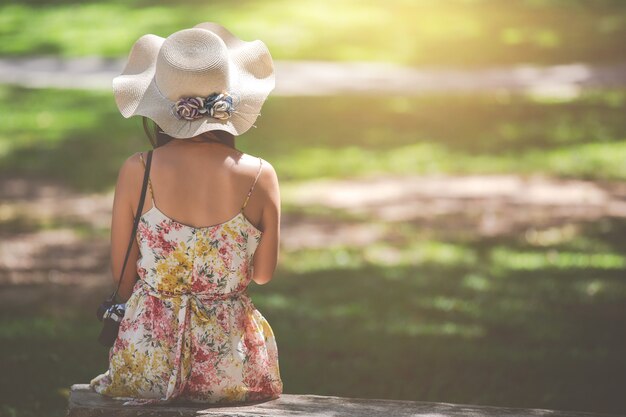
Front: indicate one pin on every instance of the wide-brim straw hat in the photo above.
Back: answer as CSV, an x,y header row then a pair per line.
x,y
195,62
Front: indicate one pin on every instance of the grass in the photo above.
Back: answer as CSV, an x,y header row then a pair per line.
x,y
411,32
530,320
509,321
492,321
79,137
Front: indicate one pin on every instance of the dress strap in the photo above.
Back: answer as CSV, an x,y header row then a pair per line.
x,y
253,184
149,180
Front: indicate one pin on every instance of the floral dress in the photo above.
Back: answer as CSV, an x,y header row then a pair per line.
x,y
191,331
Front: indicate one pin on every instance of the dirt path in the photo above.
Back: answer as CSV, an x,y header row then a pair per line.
x,y
358,212
304,78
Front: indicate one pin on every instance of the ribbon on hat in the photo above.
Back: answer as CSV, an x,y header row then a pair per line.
x,y
216,105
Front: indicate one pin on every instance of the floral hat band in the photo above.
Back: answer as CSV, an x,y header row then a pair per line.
x,y
216,105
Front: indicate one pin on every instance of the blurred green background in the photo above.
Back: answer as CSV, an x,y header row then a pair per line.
x,y
456,317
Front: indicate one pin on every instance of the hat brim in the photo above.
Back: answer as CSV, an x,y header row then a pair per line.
x,y
251,79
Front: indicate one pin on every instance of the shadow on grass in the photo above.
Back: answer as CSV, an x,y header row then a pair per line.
x,y
491,332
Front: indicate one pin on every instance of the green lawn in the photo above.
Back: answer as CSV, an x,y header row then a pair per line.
x,y
412,32
463,320
452,318
80,137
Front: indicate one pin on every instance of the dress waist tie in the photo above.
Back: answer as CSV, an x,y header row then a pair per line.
x,y
182,359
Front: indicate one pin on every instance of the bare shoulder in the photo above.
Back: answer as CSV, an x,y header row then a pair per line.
x,y
129,173
133,163
267,177
270,177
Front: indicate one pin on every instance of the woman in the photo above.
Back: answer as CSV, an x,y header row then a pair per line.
x,y
209,225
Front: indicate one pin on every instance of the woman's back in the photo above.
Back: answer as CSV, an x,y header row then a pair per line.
x,y
202,184
199,184
215,258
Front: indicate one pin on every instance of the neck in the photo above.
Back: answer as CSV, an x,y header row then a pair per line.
x,y
206,138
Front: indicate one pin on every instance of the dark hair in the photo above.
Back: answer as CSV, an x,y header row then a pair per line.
x,y
159,138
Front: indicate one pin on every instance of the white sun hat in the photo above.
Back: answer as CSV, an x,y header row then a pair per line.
x,y
195,80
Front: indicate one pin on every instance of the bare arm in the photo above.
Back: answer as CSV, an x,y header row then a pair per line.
x,y
125,202
266,255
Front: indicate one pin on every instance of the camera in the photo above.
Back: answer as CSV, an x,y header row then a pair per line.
x,y
110,314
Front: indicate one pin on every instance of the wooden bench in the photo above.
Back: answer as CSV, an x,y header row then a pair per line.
x,y
84,402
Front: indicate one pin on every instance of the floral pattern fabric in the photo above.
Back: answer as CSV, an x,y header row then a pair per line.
x,y
191,331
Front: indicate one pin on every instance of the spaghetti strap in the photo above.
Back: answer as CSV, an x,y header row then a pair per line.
x,y
149,179
253,184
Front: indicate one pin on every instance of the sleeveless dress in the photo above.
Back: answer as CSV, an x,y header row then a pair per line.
x,y
190,331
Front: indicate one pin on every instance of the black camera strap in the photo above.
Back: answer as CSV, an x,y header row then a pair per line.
x,y
136,223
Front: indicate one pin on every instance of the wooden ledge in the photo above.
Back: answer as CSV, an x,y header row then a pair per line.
x,y
84,402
